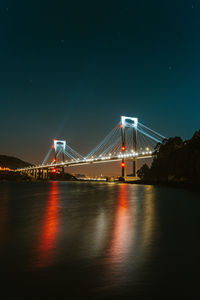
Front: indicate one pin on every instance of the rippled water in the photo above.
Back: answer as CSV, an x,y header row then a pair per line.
x,y
98,240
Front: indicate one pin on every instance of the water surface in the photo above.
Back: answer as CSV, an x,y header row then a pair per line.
x,y
98,240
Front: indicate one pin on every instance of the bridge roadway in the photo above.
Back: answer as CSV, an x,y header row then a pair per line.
x,y
79,162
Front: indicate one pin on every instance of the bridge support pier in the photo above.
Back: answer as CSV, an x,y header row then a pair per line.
x,y
38,174
44,174
35,173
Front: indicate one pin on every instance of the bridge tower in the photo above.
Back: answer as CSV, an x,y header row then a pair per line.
x,y
123,165
134,151
59,147
131,123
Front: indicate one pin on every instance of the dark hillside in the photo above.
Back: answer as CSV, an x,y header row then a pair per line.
x,y
175,161
12,162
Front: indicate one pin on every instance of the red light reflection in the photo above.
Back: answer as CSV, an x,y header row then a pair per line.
x,y
122,228
48,238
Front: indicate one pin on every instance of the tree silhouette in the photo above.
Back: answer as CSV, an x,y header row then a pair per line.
x,y
175,160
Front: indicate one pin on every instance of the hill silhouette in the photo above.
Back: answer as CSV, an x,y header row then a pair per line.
x,y
175,161
12,162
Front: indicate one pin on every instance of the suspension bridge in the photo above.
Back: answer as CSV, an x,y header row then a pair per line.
x,y
129,140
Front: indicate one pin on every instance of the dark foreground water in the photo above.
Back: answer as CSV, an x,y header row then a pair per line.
x,y
72,240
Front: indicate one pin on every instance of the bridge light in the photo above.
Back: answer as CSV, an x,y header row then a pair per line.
x,y
123,148
123,164
121,125
129,122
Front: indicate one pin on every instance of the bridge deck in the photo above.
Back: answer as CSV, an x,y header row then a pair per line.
x,y
127,157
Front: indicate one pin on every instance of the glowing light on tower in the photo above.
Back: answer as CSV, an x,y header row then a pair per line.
x,y
59,145
129,122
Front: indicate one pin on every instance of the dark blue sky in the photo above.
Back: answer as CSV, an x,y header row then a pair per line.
x,y
69,69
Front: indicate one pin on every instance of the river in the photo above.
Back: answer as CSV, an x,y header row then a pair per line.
x,y
70,240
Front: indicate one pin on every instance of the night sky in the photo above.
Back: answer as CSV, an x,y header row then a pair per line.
x,y
70,69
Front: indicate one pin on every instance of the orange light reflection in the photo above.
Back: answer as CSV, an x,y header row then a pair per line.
x,y
48,238
122,228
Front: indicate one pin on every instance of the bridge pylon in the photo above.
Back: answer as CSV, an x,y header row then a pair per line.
x,y
59,147
123,165
134,151
131,123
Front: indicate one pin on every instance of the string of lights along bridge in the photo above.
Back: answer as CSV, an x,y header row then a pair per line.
x,y
129,140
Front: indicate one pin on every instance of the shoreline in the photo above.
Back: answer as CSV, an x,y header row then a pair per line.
x,y
182,185
175,184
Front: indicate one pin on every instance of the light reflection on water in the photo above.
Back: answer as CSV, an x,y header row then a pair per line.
x,y
102,236
117,228
123,228
49,229
82,221
131,235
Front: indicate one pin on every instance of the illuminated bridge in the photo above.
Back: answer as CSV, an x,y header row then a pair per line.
x,y
129,140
